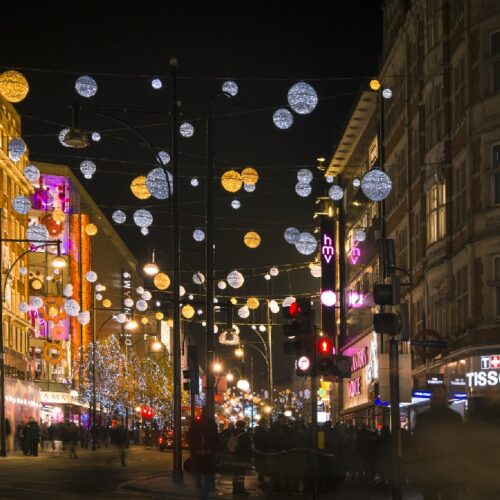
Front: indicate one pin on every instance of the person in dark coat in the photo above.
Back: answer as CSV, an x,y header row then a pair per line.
x,y
203,440
33,437
261,447
118,438
438,446
241,457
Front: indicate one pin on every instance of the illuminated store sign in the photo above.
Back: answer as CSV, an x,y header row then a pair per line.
x,y
490,376
328,277
359,359
354,387
126,293
327,249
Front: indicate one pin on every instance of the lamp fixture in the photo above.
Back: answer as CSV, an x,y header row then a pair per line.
x,y
131,325
151,268
58,262
76,138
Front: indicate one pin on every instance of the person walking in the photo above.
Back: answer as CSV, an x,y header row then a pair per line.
x,y
118,438
240,447
33,437
203,440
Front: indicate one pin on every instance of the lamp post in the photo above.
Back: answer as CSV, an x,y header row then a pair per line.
x,y
60,262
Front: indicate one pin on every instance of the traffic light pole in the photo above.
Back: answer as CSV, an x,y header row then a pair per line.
x,y
314,397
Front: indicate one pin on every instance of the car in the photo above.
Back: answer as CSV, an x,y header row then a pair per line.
x,y
166,440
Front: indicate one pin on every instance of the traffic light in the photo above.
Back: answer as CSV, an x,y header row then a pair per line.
x,y
191,375
147,412
324,356
342,366
388,323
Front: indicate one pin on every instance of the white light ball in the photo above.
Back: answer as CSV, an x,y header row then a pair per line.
x,y
182,291
37,233
274,306
267,277
147,295
198,278
306,244
230,88
143,218
283,119
121,318
262,328
221,285
356,182
359,235
119,216
249,188
186,130
244,312
96,136
91,277
387,93
376,185
32,173
157,183
141,305
23,271
336,193
305,175
303,189
21,204
144,231
329,179
163,157
274,271
156,83
86,86
236,204
315,270
72,307
139,290
23,307
128,302
198,235
84,318
195,182
37,302
235,279
68,290
98,296
302,98
292,235
62,136
288,301
17,147
88,168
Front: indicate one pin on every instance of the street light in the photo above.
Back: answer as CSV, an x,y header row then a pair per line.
x,y
151,268
243,384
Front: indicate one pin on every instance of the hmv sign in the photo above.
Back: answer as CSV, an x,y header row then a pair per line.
x,y
328,265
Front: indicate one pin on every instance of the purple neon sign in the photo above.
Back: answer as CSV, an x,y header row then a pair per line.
x,y
327,248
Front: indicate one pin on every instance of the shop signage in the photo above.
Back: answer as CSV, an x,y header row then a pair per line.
x,y
55,397
126,293
359,359
328,278
489,375
354,387
434,379
457,383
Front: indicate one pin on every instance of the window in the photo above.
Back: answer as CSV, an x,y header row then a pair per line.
x,y
495,165
417,238
458,91
434,116
402,248
436,213
495,65
496,277
460,198
461,290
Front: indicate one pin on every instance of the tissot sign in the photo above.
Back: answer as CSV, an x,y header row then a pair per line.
x,y
488,375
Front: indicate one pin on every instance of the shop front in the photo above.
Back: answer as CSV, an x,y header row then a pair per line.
x,y
58,406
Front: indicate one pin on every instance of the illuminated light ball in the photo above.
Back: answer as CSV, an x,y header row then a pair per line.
x,y
249,188
139,290
62,136
156,83
13,86
158,185
91,277
159,315
328,298
164,157
37,233
387,93
71,307
68,290
87,168
143,218
98,296
252,239
182,291
144,231
161,281
188,311
84,318
86,86
23,307
262,328
95,136
292,235
236,204
302,98
267,276
356,182
198,278
230,87
231,181
144,320
374,84
336,193
376,185
106,303
304,175
303,189
139,189
186,130
249,175
288,301
17,147
359,235
329,179
198,235
36,284
274,306
195,182
119,216
32,173
147,295
121,318
306,244
244,312
283,119
91,229
21,204
56,271
315,270
199,312
100,288
221,285
141,305
58,215
274,271
253,303
234,301
23,271
37,302
128,302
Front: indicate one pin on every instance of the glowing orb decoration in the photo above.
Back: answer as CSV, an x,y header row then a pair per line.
x,y
292,235
249,188
288,301
198,278
21,204
119,216
336,193
91,229
244,312
71,307
267,276
329,179
139,290
84,318
374,84
37,233
139,189
144,320
13,86
387,93
143,218
128,302
68,290
31,173
253,303
95,136
283,119
236,204
305,175
315,270
159,315
188,311
58,215
37,302
91,276
121,318
356,182
231,181
147,295
141,305
198,235
158,185
156,83
182,291
23,307
17,147
306,244
303,189
233,301
359,235
62,136
249,175
195,182
161,281
164,157
86,86
221,285
88,168
302,98
230,88
144,231
252,239
328,298
186,130
235,279
262,328
274,306
274,271
376,185
23,271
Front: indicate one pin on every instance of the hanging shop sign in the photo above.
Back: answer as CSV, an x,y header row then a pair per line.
x,y
428,343
53,353
126,336
327,251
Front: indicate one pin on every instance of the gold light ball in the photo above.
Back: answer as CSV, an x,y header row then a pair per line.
x,y
58,215
106,303
252,239
231,181
374,84
139,189
188,311
91,229
170,323
159,317
249,175
234,301
13,86
145,320
161,281
253,303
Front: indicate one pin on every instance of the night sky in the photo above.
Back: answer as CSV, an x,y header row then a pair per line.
x,y
334,47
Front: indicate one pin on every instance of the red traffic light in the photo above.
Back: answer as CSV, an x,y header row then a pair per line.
x,y
147,413
325,345
295,309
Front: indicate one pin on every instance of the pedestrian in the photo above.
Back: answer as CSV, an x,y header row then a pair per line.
x,y
33,437
261,447
203,441
8,432
118,438
70,437
240,448
438,446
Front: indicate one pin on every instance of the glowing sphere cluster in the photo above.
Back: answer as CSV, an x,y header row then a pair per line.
x,y
231,181
376,185
13,86
306,244
283,119
198,235
157,184
21,204
302,98
186,130
119,216
86,86
139,189
32,173
230,87
143,218
71,307
252,239
292,235
87,168
17,147
37,233
235,279
91,276
161,281
164,157
249,175
336,193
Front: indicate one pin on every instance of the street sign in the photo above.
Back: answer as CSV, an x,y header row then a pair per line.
x,y
428,343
